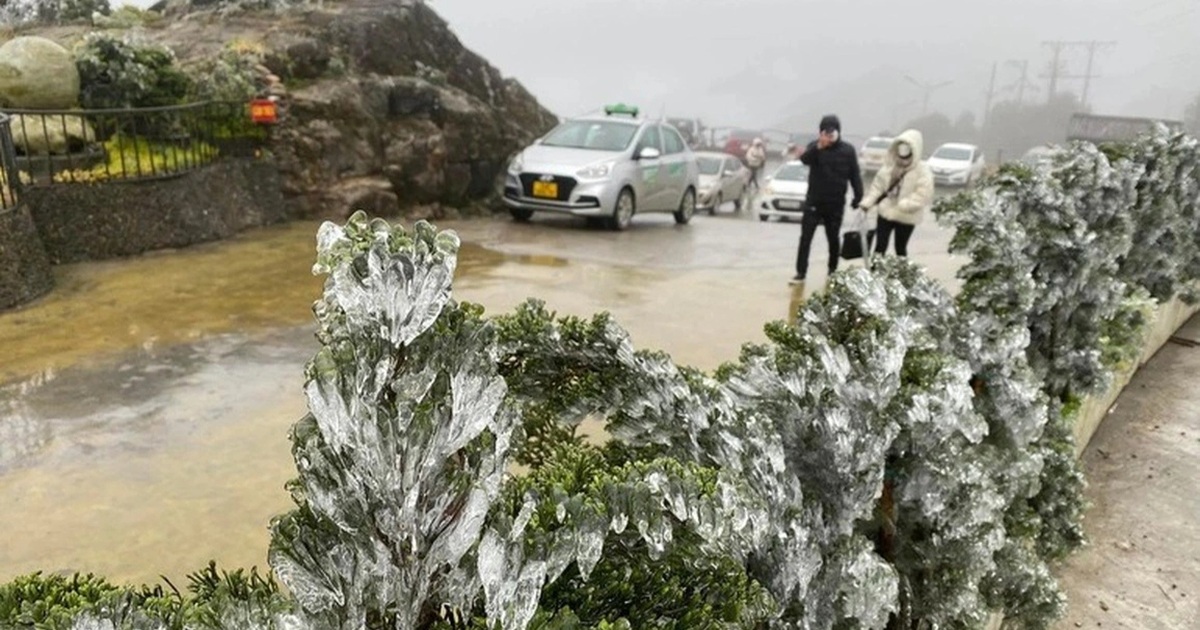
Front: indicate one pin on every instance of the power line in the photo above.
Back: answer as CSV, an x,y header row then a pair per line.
x,y
1057,70
1022,82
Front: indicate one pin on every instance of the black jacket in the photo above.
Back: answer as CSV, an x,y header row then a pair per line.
x,y
830,169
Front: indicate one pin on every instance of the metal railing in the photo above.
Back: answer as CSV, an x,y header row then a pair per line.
x,y
10,177
73,146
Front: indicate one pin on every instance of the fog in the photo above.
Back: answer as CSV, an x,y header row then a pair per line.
x,y
783,62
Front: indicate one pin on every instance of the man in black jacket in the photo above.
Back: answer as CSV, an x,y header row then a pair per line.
x,y
832,165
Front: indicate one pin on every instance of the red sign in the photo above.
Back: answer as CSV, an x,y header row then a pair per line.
x,y
263,111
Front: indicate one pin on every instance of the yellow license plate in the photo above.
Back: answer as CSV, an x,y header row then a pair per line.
x,y
545,189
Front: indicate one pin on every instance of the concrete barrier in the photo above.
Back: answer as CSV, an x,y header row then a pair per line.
x,y
78,222
1167,319
24,268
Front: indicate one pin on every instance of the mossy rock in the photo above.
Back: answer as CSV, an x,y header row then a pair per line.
x,y
36,73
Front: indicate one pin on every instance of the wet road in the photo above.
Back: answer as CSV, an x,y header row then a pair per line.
x,y
144,404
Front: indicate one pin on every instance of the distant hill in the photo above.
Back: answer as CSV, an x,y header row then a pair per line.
x,y
877,100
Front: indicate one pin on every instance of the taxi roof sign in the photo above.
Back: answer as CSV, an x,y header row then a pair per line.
x,y
621,108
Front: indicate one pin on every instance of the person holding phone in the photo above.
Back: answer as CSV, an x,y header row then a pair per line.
x,y
833,166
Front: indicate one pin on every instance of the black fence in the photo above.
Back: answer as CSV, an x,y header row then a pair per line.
x,y
10,177
87,146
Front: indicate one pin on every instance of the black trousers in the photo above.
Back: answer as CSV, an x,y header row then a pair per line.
x,y
830,216
883,231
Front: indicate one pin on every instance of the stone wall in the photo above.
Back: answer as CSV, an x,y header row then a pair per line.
x,y
80,222
24,267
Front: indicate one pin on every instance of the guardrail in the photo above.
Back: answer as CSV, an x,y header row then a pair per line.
x,y
10,177
84,146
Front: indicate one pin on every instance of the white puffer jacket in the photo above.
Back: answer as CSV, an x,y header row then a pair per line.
x,y
908,203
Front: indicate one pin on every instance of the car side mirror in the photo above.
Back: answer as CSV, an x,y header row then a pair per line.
x,y
648,153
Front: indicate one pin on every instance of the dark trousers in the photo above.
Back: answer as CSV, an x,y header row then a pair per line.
x,y
830,216
884,229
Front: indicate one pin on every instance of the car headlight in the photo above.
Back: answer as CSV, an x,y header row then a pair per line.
x,y
516,165
595,171
769,190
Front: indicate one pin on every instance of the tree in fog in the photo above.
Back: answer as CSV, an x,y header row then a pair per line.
x,y
938,129
1191,117
1014,128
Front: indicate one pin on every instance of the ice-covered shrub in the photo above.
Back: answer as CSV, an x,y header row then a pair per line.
x,y
896,457
124,71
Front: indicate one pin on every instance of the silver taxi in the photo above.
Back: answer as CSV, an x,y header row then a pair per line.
x,y
609,166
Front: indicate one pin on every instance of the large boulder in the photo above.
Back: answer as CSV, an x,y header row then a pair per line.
x,y
36,73
36,134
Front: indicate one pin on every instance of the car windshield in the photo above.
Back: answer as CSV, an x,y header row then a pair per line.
x,y
802,138
792,173
596,135
710,165
953,153
879,143
743,134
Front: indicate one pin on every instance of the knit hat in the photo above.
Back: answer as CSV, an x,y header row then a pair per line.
x,y
831,123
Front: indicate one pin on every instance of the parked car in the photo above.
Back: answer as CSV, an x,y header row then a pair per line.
x,y
1039,155
784,192
691,129
723,178
611,165
873,153
739,140
796,145
956,164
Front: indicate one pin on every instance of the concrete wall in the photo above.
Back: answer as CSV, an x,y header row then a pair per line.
x,y
24,268
78,222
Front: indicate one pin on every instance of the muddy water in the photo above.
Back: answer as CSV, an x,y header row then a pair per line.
x,y
144,404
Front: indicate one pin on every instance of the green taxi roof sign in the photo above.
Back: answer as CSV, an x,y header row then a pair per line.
x,y
621,108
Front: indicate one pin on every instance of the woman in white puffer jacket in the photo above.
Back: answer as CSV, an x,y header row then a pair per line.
x,y
902,192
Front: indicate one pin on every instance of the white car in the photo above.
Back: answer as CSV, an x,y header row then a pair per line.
x,y
784,192
722,178
956,164
609,166
873,153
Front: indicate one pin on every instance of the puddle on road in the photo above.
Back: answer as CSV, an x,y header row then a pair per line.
x,y
144,403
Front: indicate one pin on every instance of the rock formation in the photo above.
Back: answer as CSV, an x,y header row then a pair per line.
x,y
383,108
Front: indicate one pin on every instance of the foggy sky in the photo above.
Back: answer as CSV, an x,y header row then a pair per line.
x,y
743,62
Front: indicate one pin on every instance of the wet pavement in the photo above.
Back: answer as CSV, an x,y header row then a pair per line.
x,y
144,404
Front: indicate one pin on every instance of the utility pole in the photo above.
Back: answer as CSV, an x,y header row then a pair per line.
x,y
991,92
1055,67
1056,72
1023,82
928,90
1088,76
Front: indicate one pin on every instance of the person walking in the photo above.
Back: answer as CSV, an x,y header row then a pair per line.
x,y
833,166
756,158
901,192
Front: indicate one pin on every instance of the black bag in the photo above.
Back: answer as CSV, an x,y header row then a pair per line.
x,y
852,240
852,245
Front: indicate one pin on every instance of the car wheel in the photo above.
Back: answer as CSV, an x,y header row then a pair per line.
x,y
521,214
687,207
717,203
624,211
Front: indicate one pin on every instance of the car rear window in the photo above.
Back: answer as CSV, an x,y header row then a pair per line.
x,y
879,143
597,135
709,165
953,153
792,173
